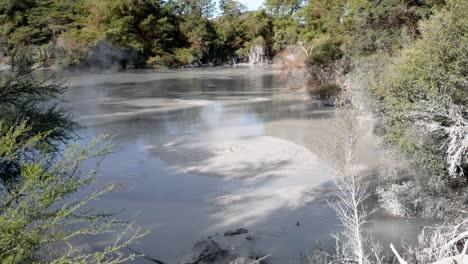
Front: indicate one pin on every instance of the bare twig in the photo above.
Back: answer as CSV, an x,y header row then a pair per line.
x,y
260,259
145,256
397,255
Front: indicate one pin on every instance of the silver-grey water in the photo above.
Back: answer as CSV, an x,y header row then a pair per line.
x,y
200,152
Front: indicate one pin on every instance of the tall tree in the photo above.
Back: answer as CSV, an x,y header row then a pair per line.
x,y
37,22
229,27
285,24
283,8
203,8
197,28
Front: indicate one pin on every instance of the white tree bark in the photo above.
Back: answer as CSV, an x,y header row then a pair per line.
x,y
447,118
351,191
439,244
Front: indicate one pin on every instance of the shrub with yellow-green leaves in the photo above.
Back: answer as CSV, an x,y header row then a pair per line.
x,y
39,220
421,94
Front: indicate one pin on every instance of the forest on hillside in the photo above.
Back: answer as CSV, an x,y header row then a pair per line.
x,y
152,33
403,61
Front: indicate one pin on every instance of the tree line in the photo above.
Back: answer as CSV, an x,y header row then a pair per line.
x,y
152,33
144,33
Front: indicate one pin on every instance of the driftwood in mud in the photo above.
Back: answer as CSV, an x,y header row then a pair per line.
x,y
211,251
236,232
460,258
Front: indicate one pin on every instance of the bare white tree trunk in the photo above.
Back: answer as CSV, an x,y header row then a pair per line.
x,y
351,191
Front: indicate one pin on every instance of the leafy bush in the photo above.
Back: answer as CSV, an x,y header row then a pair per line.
x,y
371,41
430,70
326,51
41,212
24,97
401,199
184,55
325,91
244,51
410,199
165,60
37,221
259,41
286,32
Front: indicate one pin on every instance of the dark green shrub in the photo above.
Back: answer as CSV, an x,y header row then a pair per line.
x,y
40,218
325,91
411,89
184,55
326,52
165,60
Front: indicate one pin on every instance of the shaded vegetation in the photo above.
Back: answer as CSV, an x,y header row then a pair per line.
x,y
43,202
143,32
422,99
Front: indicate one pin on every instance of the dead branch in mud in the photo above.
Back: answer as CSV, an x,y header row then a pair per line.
x,y
257,261
441,244
397,255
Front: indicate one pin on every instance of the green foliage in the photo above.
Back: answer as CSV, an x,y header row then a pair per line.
x,y
327,51
200,8
322,17
258,30
384,25
23,97
437,63
152,29
36,22
141,25
286,26
199,33
283,8
197,30
164,60
326,91
38,222
230,30
184,55
259,24
41,188
432,67
286,32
